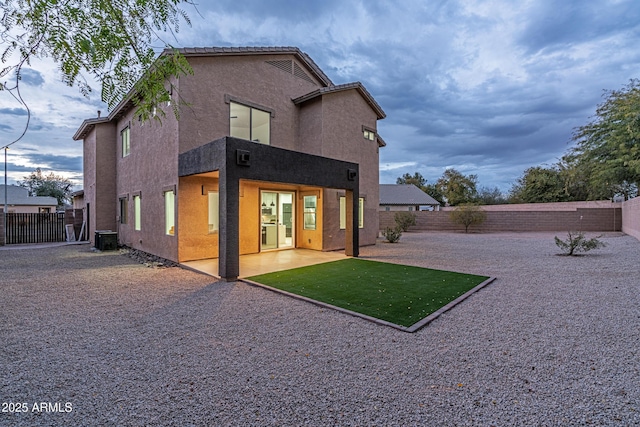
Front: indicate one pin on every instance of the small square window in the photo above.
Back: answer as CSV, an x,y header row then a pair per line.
x,y
368,134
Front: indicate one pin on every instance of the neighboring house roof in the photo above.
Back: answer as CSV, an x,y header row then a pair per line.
x,y
348,86
404,194
17,195
302,57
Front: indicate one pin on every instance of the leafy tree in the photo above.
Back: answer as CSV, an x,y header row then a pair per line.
x,y
50,185
539,185
434,191
416,179
109,41
609,145
468,215
457,188
491,196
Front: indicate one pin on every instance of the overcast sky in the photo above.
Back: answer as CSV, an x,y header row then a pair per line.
x,y
487,87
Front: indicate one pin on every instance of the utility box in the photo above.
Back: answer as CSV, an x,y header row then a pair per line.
x,y
106,240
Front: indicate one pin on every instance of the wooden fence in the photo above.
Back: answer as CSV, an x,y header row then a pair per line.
x,y
35,228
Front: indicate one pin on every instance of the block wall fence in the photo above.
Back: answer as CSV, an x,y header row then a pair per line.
x,y
595,216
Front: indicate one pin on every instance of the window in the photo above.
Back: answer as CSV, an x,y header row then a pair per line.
x,y
169,212
369,134
343,212
124,211
125,135
136,212
249,123
214,213
310,205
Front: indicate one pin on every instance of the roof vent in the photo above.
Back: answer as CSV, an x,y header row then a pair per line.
x,y
299,72
284,65
291,67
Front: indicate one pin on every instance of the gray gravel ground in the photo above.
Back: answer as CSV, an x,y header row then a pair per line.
x,y
554,341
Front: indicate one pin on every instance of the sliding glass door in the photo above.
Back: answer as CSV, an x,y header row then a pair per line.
x,y
277,220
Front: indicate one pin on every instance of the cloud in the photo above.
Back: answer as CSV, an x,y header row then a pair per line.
x,y
489,87
31,77
13,111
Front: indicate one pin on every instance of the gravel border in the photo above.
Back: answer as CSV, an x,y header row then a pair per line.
x,y
554,341
413,328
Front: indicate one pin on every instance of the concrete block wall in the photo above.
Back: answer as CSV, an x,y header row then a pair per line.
x,y
1,226
584,219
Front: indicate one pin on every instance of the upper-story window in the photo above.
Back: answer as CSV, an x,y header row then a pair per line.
x,y
125,135
249,123
369,134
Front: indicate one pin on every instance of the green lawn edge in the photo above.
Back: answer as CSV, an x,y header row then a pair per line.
x,y
395,293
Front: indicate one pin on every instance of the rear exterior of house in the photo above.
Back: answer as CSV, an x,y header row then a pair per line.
x,y
239,172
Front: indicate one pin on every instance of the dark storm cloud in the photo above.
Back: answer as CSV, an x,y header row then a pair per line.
x,y
553,25
286,9
487,87
54,162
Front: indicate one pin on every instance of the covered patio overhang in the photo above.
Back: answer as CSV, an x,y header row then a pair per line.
x,y
237,159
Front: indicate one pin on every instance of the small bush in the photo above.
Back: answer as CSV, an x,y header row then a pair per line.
x,y
404,220
468,215
392,234
576,242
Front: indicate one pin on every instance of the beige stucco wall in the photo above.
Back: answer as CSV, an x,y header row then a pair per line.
x,y
631,217
398,208
150,168
30,209
99,178
195,241
343,116
247,78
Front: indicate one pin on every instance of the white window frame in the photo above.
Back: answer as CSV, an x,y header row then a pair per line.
x,y
251,128
170,212
137,212
125,136
214,211
343,212
310,213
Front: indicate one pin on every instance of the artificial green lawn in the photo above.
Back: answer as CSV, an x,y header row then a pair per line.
x,y
399,294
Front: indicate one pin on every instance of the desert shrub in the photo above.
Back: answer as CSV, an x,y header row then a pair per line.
x,y
392,234
404,220
577,242
468,215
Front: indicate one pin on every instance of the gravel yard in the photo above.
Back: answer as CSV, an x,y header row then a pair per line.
x,y
97,339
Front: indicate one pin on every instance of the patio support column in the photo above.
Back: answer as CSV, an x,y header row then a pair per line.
x,y
229,232
352,243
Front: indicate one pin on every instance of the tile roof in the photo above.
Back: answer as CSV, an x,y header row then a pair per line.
x,y
404,194
338,88
17,195
253,50
305,59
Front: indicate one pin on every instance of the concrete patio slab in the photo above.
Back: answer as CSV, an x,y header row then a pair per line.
x,y
268,262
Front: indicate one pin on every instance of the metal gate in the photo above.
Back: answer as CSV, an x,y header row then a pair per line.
x,y
35,228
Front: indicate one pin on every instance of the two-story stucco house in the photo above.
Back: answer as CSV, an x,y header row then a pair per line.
x,y
268,154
